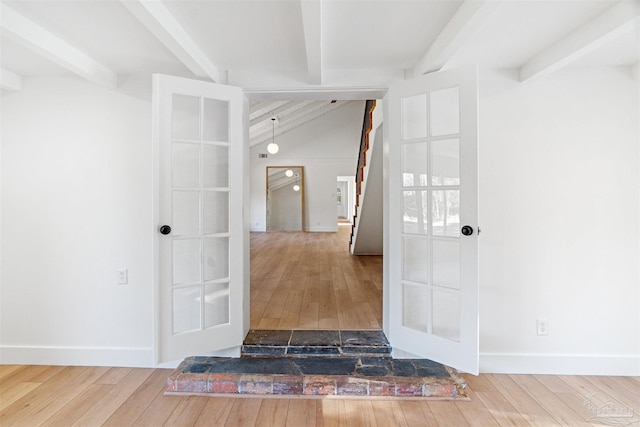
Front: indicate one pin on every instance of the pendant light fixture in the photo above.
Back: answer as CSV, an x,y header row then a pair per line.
x,y
288,173
273,148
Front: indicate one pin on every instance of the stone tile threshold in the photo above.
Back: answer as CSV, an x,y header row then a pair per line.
x,y
315,343
316,364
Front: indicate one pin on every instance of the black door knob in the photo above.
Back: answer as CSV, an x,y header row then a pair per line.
x,y
165,229
467,230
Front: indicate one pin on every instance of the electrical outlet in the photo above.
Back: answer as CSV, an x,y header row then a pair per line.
x,y
542,326
123,276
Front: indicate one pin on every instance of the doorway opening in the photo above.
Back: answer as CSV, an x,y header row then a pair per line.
x,y
345,199
308,279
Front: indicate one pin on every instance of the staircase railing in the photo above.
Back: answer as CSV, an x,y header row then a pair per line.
x,y
367,124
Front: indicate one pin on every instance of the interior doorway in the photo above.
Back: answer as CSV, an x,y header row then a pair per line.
x,y
308,279
345,199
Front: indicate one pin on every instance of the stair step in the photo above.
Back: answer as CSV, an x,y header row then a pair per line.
x,y
315,343
317,376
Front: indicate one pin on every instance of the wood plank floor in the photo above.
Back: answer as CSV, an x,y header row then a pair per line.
x,y
95,396
300,281
310,281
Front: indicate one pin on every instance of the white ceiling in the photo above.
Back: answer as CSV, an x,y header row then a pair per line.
x,y
309,49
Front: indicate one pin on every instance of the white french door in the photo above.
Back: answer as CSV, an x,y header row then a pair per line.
x,y
202,239
432,220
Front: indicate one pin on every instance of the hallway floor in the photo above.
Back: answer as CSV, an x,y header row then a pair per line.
x,y
311,281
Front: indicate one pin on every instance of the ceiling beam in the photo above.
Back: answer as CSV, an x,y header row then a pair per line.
x,y
465,22
165,27
10,81
52,47
265,108
305,115
609,25
312,27
265,128
275,110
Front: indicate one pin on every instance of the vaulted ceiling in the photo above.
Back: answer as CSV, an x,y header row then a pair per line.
x,y
285,50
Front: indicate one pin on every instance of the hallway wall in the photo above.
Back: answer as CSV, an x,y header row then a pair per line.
x,y
327,148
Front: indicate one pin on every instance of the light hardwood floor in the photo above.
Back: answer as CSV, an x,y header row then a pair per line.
x,y
304,281
95,396
310,281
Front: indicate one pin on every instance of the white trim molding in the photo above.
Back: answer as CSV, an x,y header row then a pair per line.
x,y
560,364
322,229
77,356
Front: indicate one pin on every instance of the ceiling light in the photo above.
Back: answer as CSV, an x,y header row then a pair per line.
x,y
289,173
273,148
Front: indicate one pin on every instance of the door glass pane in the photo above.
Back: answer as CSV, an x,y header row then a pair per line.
x,y
186,213
185,165
216,212
216,258
445,112
216,304
445,162
216,120
414,165
185,117
216,166
186,309
445,213
416,307
414,116
446,263
415,212
186,261
415,253
446,315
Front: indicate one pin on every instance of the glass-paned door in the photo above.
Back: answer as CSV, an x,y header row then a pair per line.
x,y
200,138
432,221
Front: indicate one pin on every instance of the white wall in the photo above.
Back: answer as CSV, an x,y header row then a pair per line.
x,y
76,207
559,197
559,177
327,148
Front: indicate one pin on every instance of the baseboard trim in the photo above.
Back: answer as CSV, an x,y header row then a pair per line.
x,y
560,364
322,229
77,356
315,229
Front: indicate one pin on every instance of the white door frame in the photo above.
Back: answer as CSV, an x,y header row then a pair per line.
x,y
350,180
376,93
